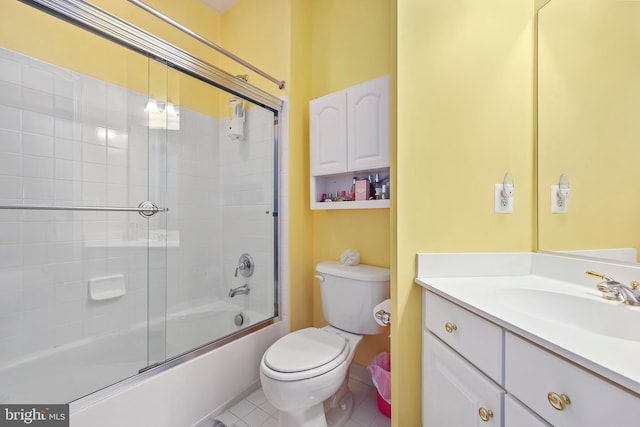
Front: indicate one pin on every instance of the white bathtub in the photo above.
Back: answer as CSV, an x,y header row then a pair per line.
x,y
68,372
191,328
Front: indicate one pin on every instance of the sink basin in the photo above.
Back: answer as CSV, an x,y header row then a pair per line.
x,y
585,311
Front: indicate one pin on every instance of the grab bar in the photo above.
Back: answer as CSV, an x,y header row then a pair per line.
x,y
146,209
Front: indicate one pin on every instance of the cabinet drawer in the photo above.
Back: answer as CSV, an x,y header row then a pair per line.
x,y
531,373
455,392
516,414
478,340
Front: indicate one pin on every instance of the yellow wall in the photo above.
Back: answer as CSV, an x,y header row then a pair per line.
x,y
464,73
464,119
351,43
588,123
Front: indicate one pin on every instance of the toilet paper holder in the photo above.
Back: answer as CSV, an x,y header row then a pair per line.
x,y
383,316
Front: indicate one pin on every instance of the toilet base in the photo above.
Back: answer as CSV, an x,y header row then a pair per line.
x,y
333,412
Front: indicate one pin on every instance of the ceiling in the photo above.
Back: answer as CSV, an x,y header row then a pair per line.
x,y
219,5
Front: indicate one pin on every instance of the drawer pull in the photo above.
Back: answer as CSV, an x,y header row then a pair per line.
x,y
485,414
558,401
450,327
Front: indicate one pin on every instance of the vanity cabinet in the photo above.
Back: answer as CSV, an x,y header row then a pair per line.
x,y
520,415
533,373
349,136
471,366
457,394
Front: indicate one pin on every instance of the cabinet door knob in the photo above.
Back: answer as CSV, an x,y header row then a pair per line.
x,y
485,414
558,401
450,327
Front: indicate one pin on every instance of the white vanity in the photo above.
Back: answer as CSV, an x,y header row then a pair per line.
x,y
525,339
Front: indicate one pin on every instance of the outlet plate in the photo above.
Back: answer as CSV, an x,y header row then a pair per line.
x,y
499,206
556,208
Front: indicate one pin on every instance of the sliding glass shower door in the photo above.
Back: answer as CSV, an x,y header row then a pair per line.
x,y
137,211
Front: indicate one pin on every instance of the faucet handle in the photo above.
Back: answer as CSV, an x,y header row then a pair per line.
x,y
600,275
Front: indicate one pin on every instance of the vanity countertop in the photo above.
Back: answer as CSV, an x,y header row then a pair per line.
x,y
548,300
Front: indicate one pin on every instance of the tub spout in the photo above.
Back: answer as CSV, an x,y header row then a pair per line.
x,y
240,290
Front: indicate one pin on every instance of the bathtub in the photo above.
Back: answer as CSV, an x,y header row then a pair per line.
x,y
71,371
192,327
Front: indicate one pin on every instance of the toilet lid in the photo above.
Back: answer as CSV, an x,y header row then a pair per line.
x,y
304,350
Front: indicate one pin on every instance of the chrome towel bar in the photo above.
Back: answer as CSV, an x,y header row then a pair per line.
x,y
146,209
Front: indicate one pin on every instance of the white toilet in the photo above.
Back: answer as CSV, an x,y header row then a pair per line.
x,y
305,373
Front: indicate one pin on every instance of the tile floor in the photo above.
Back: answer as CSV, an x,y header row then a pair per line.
x,y
256,411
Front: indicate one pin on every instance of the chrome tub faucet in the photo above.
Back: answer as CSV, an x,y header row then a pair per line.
x,y
240,290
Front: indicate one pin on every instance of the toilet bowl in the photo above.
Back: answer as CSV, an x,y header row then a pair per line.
x,y
306,368
305,373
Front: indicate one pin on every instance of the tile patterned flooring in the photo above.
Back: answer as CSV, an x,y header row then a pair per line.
x,y
256,411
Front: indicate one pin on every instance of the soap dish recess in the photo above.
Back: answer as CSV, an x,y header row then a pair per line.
x,y
108,287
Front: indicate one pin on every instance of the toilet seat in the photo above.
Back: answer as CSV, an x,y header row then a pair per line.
x,y
305,354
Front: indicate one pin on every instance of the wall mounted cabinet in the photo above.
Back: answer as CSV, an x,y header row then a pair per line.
x,y
349,137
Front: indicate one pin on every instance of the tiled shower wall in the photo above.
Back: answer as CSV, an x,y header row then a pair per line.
x,y
66,139
69,139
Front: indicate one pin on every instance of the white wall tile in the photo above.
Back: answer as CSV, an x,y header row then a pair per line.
x,y
37,78
10,118
37,123
37,167
37,145
35,100
34,189
10,95
10,71
9,141
10,164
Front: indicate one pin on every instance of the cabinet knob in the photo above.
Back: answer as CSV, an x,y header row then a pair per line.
x,y
485,414
450,327
558,401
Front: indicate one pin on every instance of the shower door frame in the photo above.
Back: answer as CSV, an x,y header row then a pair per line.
x,y
111,27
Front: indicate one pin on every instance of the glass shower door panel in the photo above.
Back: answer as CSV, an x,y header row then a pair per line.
x,y
73,284
220,196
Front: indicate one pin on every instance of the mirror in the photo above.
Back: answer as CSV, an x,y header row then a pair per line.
x,y
589,126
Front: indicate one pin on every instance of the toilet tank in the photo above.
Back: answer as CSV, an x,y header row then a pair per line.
x,y
349,294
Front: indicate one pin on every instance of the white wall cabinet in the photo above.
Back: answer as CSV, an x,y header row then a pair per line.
x,y
349,136
456,385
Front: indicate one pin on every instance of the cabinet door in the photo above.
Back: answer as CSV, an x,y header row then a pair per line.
x,y
516,415
368,125
535,375
454,391
328,134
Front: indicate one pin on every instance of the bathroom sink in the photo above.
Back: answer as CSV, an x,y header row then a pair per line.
x,y
579,310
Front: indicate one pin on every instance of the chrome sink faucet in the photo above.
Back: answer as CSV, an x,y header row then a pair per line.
x,y
613,290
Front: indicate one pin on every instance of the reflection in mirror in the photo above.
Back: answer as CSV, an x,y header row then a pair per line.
x,y
589,125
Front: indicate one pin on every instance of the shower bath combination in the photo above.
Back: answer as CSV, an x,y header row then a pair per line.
x,y
119,205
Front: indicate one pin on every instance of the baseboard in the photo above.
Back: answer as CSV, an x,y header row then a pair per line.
x,y
360,373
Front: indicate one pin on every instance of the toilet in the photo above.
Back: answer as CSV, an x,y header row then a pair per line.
x,y
305,373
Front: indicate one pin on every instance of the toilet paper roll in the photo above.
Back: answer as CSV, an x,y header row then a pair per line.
x,y
382,313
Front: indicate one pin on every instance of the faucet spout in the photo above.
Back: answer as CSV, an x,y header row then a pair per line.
x,y
240,290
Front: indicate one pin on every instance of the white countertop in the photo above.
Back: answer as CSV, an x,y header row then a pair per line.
x,y
512,290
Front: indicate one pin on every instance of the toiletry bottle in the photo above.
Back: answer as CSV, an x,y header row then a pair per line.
x,y
378,188
372,188
352,192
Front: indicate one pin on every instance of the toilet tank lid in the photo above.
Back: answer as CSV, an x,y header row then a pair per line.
x,y
356,272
